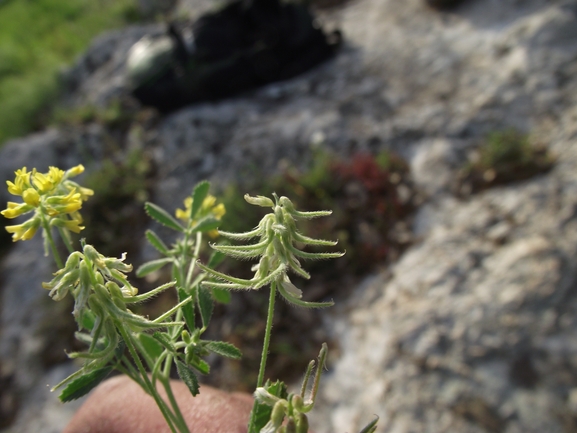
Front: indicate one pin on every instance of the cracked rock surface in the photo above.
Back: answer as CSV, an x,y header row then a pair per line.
x,y
474,328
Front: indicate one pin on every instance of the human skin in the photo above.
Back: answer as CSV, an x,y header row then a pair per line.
x,y
119,405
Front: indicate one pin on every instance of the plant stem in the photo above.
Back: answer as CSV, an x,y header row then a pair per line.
x,y
50,241
267,334
192,263
266,343
66,240
179,418
150,388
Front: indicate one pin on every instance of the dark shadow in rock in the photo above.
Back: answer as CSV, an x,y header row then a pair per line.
x,y
444,4
245,45
8,398
478,411
522,371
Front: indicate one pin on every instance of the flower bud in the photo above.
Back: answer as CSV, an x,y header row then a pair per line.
x,y
31,197
99,278
114,290
297,402
114,263
302,423
291,288
263,396
291,426
91,254
75,171
278,412
16,209
60,290
259,200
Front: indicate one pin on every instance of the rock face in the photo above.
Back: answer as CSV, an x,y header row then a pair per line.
x,y
473,329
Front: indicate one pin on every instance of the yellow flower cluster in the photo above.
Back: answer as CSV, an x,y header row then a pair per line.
x,y
208,208
53,196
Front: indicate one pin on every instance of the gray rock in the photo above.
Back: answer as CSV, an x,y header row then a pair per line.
x,y
472,330
468,334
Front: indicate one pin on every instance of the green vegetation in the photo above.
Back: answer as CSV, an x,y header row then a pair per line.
x,y
39,37
147,350
505,156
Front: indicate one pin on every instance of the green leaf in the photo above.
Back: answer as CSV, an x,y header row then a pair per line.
x,y
278,389
371,427
84,384
164,339
161,216
198,195
205,305
224,349
156,242
221,295
262,413
187,309
87,320
153,265
205,225
201,365
188,377
151,345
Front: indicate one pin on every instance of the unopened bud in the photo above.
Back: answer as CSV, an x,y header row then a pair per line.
x,y
259,200
263,396
302,423
291,288
91,253
114,290
297,402
75,171
291,426
278,413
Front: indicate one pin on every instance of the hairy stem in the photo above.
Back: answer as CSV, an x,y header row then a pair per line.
x,y
267,334
150,388
181,424
266,343
50,241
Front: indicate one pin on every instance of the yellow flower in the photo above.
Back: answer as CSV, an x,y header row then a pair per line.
x,y
24,231
85,193
55,174
75,171
207,208
21,182
42,182
63,204
183,214
219,210
16,209
70,224
51,195
31,197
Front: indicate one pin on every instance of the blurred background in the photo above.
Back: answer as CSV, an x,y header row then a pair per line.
x,y
443,135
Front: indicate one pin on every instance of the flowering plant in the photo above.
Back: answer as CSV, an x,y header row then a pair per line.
x,y
146,349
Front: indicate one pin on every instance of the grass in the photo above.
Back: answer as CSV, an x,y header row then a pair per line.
x,y
504,157
37,39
